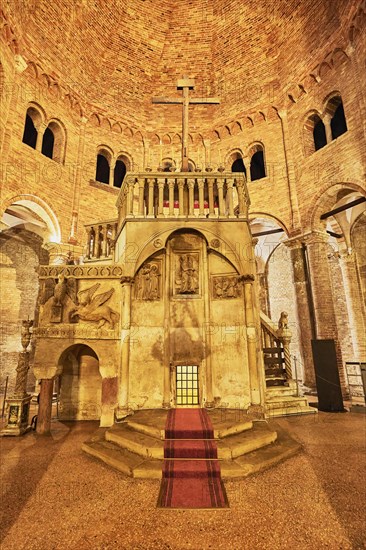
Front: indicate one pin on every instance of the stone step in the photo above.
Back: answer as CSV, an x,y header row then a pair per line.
x,y
238,444
152,431
290,411
279,391
114,456
134,465
134,441
286,401
259,460
228,430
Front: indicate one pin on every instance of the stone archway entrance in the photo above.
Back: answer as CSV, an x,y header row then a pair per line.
x,y
80,384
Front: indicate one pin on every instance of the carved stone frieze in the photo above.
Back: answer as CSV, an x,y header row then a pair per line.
x,y
225,287
81,271
80,331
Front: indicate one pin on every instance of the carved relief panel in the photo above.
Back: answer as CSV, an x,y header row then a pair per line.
x,y
186,271
148,281
225,287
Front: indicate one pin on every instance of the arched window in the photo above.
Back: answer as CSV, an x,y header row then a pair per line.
x,y
103,167
314,134
53,145
30,133
119,173
319,135
338,122
48,143
238,166
257,166
32,120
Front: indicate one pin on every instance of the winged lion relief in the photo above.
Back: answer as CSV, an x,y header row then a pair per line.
x,y
93,308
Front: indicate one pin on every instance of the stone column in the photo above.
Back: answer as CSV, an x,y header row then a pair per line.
x,y
304,310
151,184
211,204
252,338
230,198
246,162
171,184
130,197
161,184
290,170
355,305
141,183
328,130
181,198
208,378
109,396
201,197
45,407
167,354
123,390
111,172
324,309
41,128
220,188
191,198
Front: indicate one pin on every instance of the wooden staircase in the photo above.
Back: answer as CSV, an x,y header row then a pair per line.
x,y
282,397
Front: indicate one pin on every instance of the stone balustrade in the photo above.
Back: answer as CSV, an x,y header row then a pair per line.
x,y
216,195
100,240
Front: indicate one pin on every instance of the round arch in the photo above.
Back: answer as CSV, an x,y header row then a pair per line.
x,y
40,208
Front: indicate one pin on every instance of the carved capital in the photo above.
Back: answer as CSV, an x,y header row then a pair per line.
x,y
125,280
247,278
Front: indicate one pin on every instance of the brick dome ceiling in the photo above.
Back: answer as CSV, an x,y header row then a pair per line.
x,y
117,54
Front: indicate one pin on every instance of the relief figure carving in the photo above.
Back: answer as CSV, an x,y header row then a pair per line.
x,y
147,284
226,287
92,308
187,275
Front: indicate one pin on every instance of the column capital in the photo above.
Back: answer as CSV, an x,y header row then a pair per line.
x,y
246,278
126,280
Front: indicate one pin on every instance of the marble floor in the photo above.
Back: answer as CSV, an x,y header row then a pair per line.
x,y
56,497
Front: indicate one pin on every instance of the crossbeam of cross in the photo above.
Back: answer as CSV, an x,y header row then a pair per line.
x,y
185,84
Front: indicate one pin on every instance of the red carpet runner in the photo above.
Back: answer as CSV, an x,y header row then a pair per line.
x,y
191,471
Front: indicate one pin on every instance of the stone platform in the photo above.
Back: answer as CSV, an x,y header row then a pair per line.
x,y
245,445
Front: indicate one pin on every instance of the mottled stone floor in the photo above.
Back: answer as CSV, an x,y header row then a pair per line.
x,y
56,497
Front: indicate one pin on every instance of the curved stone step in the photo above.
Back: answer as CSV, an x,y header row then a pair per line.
x,y
114,456
236,445
136,442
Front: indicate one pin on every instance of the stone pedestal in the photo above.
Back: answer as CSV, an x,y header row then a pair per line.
x,y
18,416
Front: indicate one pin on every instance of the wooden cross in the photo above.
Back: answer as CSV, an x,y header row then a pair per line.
x,y
185,84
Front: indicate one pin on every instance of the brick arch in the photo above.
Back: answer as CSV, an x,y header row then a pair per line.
x,y
324,200
40,207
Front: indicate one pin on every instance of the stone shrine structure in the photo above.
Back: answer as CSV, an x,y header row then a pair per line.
x,y
121,297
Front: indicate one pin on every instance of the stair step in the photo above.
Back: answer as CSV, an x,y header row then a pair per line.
x,y
191,469
193,448
236,445
152,431
279,391
120,459
290,411
136,442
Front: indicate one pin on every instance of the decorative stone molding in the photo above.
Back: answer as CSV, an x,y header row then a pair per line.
x,y
81,271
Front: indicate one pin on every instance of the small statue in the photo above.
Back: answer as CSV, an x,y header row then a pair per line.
x,y
283,321
59,292
26,334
